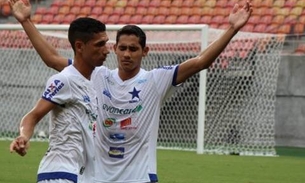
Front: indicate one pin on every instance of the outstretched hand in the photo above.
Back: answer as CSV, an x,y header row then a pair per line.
x,y
20,145
21,9
240,16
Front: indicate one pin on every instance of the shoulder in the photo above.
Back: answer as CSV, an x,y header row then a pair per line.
x,y
166,68
101,70
62,78
59,79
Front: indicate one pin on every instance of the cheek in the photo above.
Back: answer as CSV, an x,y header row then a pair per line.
x,y
91,54
138,58
96,52
119,54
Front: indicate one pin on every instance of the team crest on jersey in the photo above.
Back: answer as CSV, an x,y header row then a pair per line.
x,y
126,124
53,89
134,95
109,122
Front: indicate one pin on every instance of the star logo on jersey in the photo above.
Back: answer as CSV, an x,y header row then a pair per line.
x,y
135,94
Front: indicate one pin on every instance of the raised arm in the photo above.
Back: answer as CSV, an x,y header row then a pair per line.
x,y
21,9
237,19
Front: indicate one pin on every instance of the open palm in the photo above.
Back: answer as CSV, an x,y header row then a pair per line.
x,y
21,9
239,16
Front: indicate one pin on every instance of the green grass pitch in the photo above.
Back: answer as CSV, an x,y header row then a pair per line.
x,y
180,166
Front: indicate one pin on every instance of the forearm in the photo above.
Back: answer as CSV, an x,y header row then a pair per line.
x,y
205,58
27,126
47,52
209,55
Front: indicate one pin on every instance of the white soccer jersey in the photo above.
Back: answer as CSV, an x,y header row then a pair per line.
x,y
72,126
129,113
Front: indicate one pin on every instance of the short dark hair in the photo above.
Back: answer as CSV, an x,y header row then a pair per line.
x,y
84,29
132,30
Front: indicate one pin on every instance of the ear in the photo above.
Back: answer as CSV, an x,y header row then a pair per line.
x,y
114,47
145,51
78,46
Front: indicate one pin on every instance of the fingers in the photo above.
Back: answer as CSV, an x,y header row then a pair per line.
x,y
26,2
19,145
22,153
10,2
235,8
248,6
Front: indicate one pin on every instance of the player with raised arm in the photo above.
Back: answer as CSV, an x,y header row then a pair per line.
x,y
130,97
70,98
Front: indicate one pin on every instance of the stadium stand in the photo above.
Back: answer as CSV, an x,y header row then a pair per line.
x,y
171,11
269,16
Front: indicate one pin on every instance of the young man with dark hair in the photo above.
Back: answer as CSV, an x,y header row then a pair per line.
x,y
71,99
130,97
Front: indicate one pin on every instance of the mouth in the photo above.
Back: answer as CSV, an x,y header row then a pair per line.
x,y
126,61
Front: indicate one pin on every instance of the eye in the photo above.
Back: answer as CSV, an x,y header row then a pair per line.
x,y
122,48
133,49
100,44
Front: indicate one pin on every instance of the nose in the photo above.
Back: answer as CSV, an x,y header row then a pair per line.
x,y
127,53
106,50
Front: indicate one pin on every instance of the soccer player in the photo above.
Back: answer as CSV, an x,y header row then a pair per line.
x,y
71,99
130,97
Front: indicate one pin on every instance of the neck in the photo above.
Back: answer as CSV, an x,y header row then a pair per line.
x,y
83,68
125,75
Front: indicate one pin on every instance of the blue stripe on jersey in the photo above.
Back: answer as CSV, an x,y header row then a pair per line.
x,y
175,76
62,105
153,177
57,175
70,61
